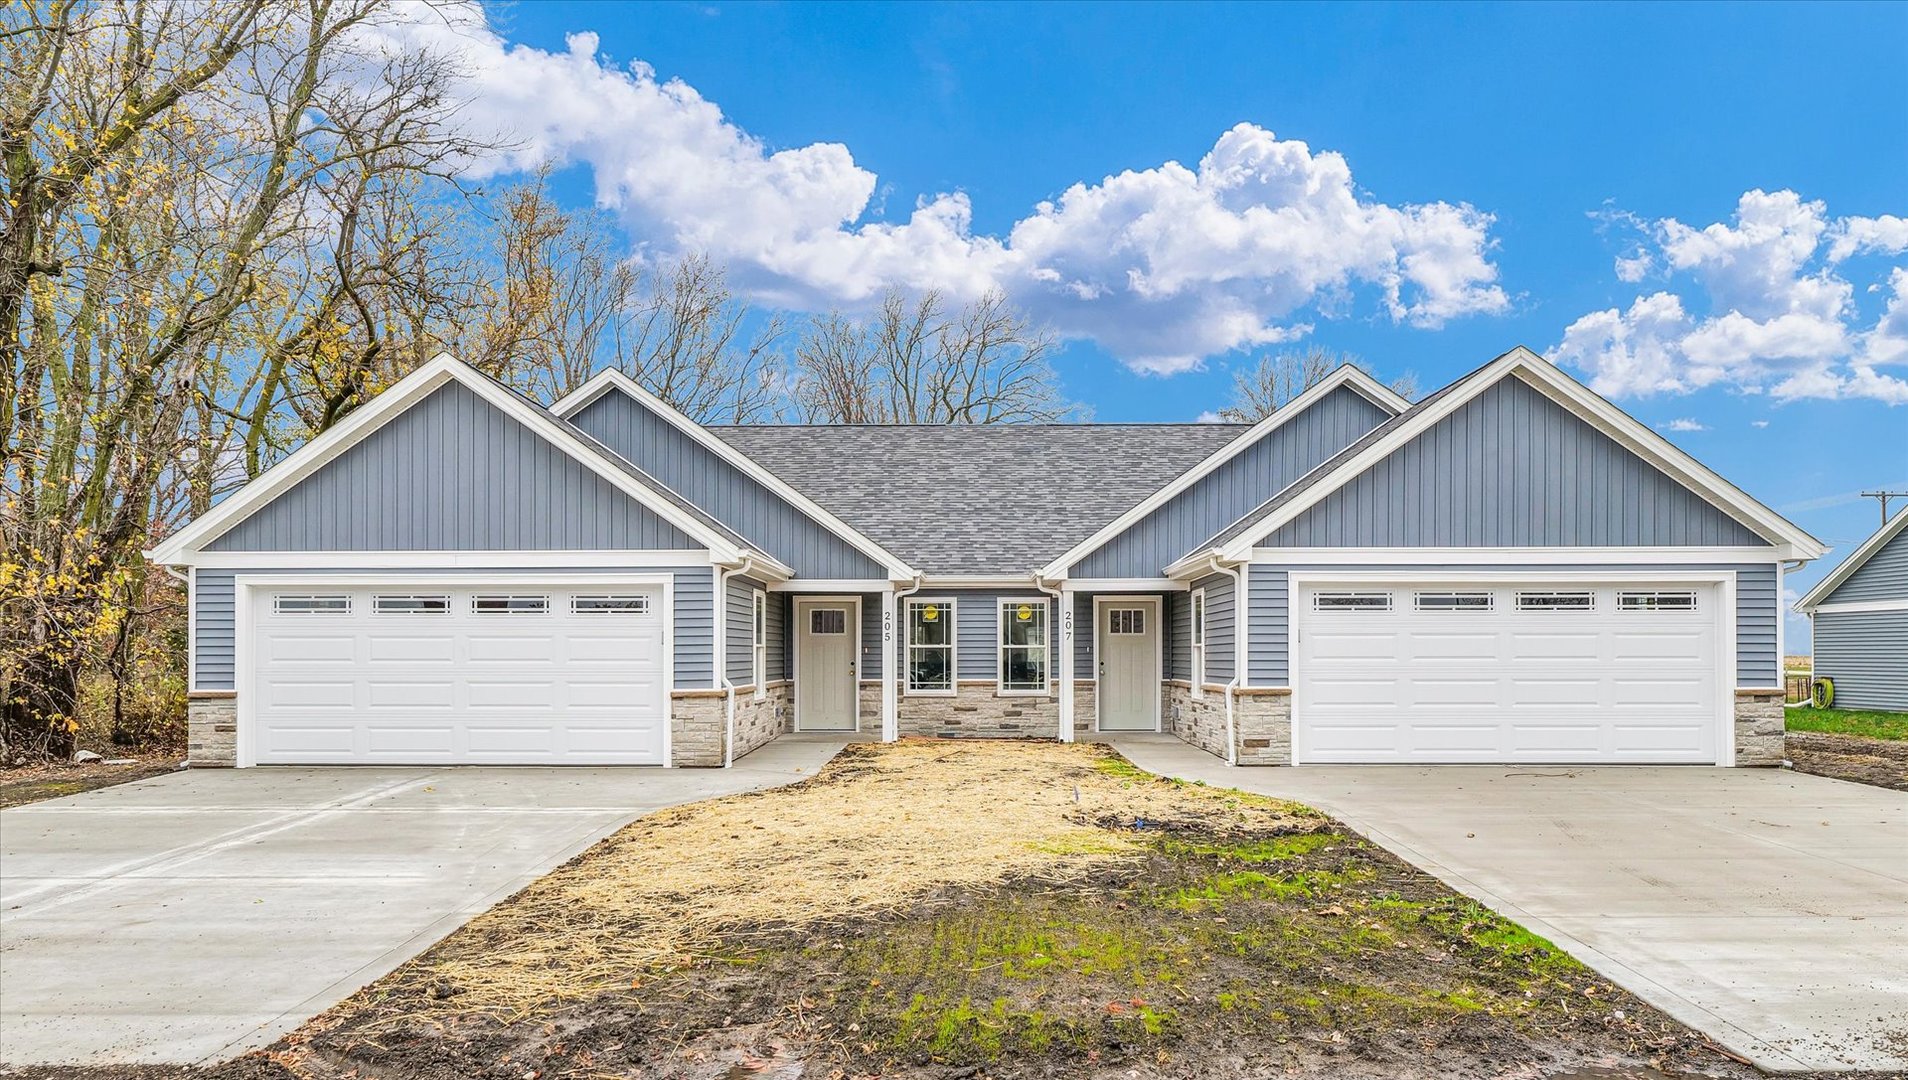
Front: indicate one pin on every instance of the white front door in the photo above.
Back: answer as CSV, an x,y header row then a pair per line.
x,y
451,671
1539,671
827,633
1126,636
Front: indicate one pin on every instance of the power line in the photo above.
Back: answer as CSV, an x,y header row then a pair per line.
x,y
1884,496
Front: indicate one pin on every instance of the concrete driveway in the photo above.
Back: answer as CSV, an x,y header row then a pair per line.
x,y
189,917
1766,908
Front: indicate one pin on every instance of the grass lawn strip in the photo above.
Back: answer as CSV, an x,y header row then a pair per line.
x,y
938,908
1892,726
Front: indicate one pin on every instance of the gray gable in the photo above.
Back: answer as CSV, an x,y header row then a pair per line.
x,y
978,498
454,473
1884,576
1242,482
635,432
1511,468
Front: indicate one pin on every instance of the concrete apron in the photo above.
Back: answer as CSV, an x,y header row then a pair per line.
x,y
1766,908
191,917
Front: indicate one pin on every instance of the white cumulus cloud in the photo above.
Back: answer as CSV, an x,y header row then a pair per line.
x,y
1684,423
1772,308
1163,266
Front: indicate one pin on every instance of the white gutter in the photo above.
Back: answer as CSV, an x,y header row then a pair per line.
x,y
1238,654
722,651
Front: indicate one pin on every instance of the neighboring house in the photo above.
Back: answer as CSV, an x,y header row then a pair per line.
x,y
1859,613
1511,570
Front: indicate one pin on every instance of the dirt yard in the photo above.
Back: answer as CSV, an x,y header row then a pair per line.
x,y
22,784
1881,762
942,909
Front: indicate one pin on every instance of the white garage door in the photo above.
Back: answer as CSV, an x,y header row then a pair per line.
x,y
1526,672
424,674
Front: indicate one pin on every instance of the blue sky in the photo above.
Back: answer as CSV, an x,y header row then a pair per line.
x,y
1502,159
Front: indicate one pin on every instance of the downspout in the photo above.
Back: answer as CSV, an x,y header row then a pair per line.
x,y
1065,654
722,653
890,655
1238,665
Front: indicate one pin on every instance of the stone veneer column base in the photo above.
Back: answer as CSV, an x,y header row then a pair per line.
x,y
1261,721
977,709
212,729
1761,728
698,723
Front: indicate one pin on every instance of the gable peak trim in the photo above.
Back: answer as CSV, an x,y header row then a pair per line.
x,y
1813,599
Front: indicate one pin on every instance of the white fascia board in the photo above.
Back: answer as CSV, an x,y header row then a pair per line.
x,y
1544,377
1119,585
1346,375
183,547
1812,600
611,379
832,586
977,581
450,560
1852,607
1515,556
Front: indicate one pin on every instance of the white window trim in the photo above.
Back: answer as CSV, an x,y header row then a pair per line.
x,y
758,642
950,610
1198,642
1041,604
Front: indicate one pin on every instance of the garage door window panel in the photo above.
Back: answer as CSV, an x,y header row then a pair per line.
x,y
1557,601
1352,601
311,605
610,605
1656,601
1453,601
510,605
411,605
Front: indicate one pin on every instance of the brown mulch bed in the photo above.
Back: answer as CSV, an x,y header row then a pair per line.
x,y
936,910
22,784
1881,762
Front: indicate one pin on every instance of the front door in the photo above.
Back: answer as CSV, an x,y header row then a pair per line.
x,y
825,681
1128,640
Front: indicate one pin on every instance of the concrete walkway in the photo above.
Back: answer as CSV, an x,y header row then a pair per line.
x,y
1766,908
190,917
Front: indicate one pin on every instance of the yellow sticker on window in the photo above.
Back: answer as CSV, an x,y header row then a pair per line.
x,y
930,612
1024,612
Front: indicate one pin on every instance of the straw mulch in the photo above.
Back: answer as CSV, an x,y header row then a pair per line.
x,y
880,827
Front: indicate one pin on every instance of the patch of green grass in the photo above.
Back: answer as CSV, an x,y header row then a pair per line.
x,y
1868,725
1277,849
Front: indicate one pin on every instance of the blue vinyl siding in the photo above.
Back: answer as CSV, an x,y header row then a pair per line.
x,y
1224,495
740,630
1219,627
1757,611
1883,577
1512,468
453,473
693,643
1866,654
688,468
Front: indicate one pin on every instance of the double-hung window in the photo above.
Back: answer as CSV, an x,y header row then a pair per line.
x,y
1023,646
1199,643
930,646
758,644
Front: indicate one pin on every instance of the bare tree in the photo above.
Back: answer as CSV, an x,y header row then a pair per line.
x,y
1267,386
914,362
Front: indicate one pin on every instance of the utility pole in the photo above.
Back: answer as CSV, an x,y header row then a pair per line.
x,y
1884,496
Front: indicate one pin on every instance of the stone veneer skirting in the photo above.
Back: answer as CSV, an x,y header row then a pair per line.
x,y
1761,727
212,729
1261,719
699,723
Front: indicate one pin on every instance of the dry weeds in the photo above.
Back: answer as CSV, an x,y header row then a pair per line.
x,y
880,827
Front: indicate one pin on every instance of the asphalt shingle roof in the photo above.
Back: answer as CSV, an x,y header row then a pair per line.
x,y
978,498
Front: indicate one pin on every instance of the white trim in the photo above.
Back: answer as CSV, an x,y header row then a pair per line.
x,y
906,660
1043,603
795,660
1428,556
890,711
1159,650
314,455
1068,661
1812,600
1346,375
978,581
603,381
1196,641
1852,606
243,586
396,560
830,585
758,640
1130,584
1724,580
1542,376
192,632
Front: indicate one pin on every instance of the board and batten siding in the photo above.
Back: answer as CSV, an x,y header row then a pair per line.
x,y
688,468
1865,653
1512,468
976,629
453,473
1758,591
1246,480
1883,577
693,644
